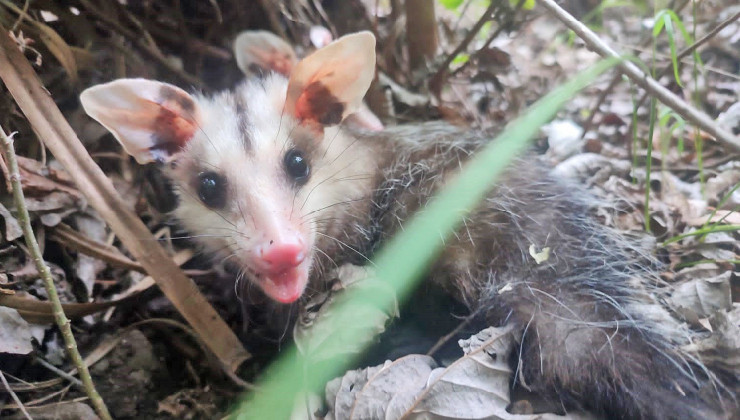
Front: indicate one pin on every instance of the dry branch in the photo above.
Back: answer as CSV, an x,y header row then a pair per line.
x,y
33,247
690,49
141,43
662,94
436,81
70,238
14,396
52,128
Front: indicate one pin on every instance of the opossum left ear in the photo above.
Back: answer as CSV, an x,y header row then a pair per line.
x,y
258,51
329,84
152,120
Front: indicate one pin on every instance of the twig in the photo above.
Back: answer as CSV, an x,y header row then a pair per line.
x,y
509,21
588,124
665,96
667,57
33,246
59,372
137,40
615,80
53,129
70,238
690,49
195,44
21,16
435,83
275,25
443,340
14,396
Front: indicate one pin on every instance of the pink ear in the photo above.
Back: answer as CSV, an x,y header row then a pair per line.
x,y
262,50
329,84
152,120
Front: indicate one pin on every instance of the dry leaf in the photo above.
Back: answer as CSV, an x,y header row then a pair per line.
x,y
720,216
704,293
722,347
15,332
412,387
13,230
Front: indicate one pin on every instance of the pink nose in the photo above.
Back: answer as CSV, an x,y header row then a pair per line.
x,y
280,257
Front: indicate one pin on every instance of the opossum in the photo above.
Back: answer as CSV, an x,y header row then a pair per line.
x,y
268,174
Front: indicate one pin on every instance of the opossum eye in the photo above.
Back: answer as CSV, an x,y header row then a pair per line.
x,y
212,189
296,166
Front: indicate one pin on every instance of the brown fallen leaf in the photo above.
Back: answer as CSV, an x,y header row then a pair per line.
x,y
721,216
474,386
701,291
13,230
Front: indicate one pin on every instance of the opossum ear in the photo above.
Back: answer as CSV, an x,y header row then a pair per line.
x,y
329,84
261,51
152,120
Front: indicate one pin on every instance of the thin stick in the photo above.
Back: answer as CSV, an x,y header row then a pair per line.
x,y
139,41
690,49
14,396
435,84
60,372
662,94
443,340
33,246
509,22
615,80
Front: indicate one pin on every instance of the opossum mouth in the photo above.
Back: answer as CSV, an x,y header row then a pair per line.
x,y
285,286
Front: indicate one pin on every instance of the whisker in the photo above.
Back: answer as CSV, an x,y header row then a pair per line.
x,y
335,204
210,209
347,246
324,180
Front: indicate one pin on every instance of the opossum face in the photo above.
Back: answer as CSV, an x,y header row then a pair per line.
x,y
249,166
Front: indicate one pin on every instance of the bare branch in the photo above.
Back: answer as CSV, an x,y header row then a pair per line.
x,y
662,94
33,247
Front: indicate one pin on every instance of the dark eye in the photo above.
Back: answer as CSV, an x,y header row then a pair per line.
x,y
296,166
212,189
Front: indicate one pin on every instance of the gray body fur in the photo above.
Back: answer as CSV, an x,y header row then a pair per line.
x,y
592,335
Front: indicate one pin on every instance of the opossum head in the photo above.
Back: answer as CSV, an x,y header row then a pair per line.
x,y
251,166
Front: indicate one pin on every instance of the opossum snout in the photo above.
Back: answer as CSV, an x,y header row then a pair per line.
x,y
278,257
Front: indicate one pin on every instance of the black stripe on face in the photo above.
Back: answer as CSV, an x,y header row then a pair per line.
x,y
240,107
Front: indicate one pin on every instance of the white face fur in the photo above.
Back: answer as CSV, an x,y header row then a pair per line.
x,y
257,168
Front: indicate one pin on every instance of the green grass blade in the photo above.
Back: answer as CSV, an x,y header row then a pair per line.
x,y
703,231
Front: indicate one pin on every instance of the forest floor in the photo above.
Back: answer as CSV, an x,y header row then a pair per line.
x,y
142,355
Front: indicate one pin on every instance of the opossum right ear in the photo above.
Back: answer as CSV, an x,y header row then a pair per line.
x,y
263,51
329,84
153,121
